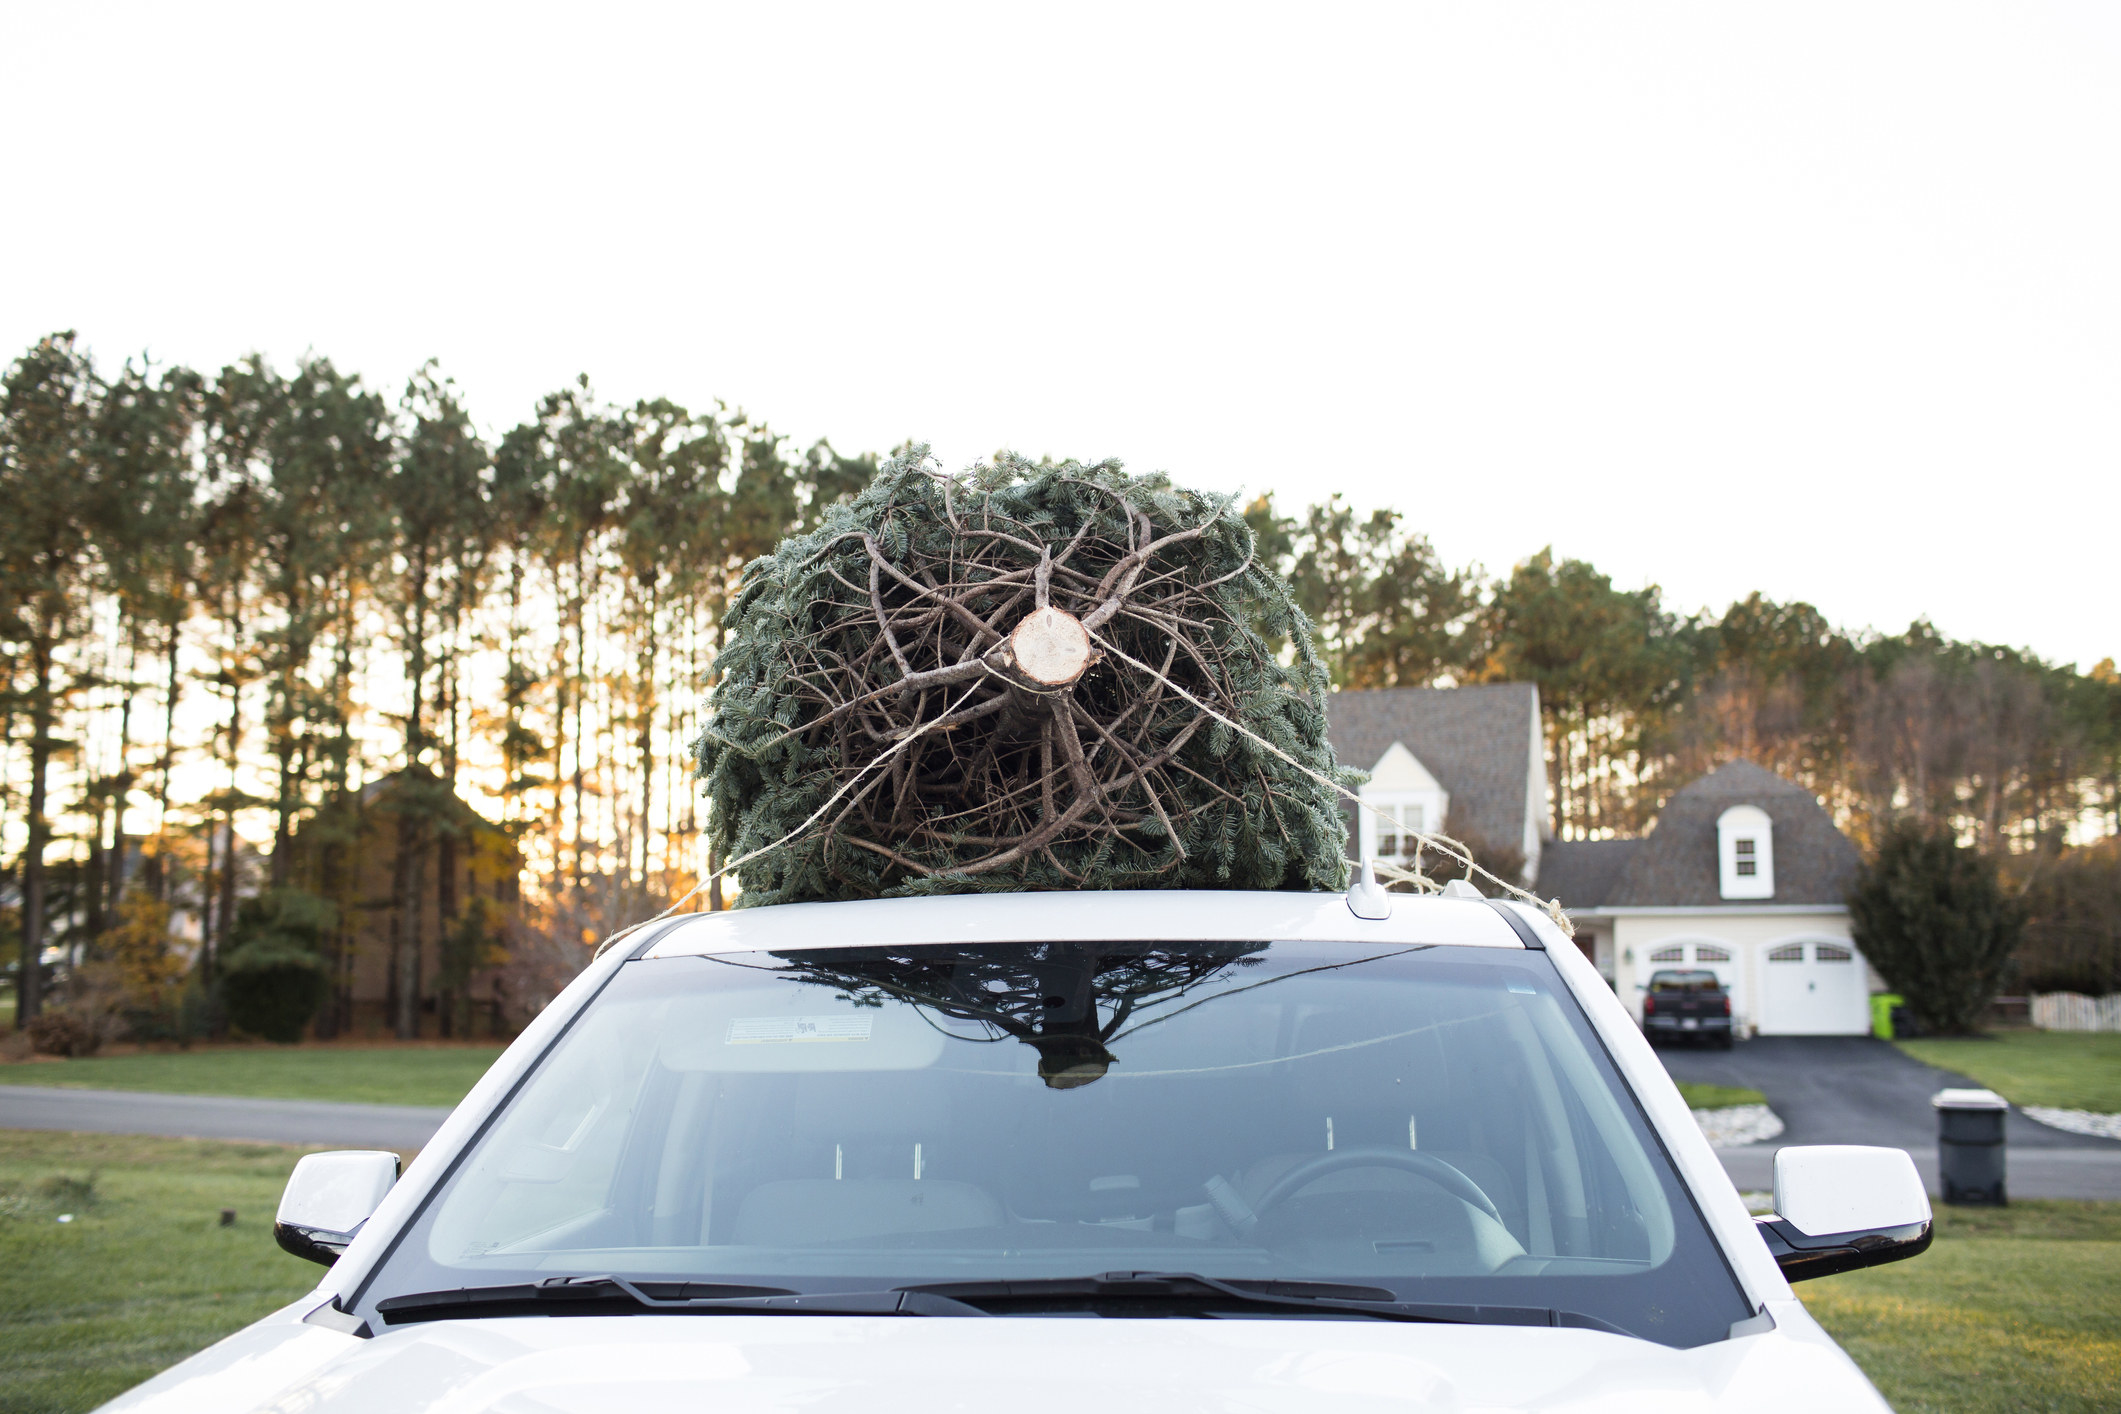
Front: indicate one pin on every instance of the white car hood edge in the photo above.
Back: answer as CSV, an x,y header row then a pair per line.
x,y
884,1365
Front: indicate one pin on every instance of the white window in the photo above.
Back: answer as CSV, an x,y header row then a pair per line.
x,y
1831,952
1709,952
1745,848
1397,829
1668,955
1788,952
1401,803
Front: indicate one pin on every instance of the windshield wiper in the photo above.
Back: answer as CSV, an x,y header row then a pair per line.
x,y
619,1296
1189,1293
1133,1294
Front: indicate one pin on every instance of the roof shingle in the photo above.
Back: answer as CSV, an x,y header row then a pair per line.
x,y
1475,740
1582,873
1676,864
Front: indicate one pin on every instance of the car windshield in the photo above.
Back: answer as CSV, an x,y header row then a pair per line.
x,y
1435,1123
1684,982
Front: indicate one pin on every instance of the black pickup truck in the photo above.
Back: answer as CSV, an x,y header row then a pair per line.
x,y
1689,1004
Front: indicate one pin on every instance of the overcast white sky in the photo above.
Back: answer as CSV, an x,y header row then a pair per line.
x,y
1823,300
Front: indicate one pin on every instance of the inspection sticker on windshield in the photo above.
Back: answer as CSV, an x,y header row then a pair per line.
x,y
784,1030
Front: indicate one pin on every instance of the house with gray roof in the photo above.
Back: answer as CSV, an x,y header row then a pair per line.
x,y
1465,761
1744,875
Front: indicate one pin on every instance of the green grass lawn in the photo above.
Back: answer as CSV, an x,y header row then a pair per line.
x,y
384,1075
2071,1070
1718,1097
2014,1308
144,1275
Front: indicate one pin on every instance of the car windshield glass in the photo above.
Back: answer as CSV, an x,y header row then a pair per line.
x,y
1684,982
1438,1124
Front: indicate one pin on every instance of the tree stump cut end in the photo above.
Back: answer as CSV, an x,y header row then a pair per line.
x,y
1051,647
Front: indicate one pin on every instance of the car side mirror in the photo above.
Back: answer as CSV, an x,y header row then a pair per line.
x,y
1843,1206
328,1197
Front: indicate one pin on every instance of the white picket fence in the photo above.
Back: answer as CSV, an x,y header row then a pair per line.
x,y
2073,1011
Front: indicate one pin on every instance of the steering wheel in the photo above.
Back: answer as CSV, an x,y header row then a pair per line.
x,y
1428,1166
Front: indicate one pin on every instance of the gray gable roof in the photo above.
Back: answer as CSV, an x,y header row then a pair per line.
x,y
1676,864
1476,741
1582,873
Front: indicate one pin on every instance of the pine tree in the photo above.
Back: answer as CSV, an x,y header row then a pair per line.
x,y
49,483
145,533
1932,917
437,496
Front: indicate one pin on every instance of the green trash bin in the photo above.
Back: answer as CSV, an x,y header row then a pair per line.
x,y
1882,1004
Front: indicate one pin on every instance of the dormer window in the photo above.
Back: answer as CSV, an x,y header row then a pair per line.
x,y
1745,849
1397,829
1402,802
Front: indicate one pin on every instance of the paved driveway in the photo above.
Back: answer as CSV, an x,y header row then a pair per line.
x,y
1857,1090
219,1117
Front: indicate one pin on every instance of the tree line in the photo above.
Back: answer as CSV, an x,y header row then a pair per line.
x,y
231,603
1911,735
2014,754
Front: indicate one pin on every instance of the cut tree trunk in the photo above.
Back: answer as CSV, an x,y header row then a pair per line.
x,y
408,877
29,993
1050,648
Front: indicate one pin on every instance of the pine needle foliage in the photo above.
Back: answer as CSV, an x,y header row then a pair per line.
x,y
891,621
1933,917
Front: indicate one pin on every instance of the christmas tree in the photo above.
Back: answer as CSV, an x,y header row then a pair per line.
x,y
1034,676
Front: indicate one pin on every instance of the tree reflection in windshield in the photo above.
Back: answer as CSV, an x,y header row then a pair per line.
x,y
1068,1001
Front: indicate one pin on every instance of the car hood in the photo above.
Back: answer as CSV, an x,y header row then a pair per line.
x,y
737,1364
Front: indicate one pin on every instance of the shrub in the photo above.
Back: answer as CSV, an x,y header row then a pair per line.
x,y
199,1011
272,991
1932,917
1504,860
57,1031
272,980
95,997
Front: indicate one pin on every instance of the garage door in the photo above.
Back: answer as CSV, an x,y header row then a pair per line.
x,y
1814,989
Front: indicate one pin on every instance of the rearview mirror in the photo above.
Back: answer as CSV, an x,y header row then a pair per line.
x,y
328,1197
1843,1206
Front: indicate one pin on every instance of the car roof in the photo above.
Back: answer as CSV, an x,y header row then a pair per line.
x,y
1166,915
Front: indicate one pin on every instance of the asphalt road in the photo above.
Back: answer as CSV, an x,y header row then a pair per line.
x,y
1857,1090
402,1127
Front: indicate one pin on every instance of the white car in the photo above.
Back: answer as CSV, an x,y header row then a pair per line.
x,y
1116,1151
